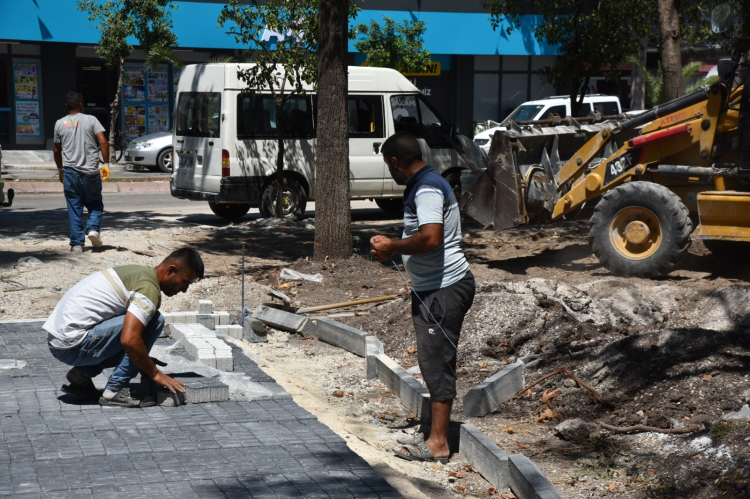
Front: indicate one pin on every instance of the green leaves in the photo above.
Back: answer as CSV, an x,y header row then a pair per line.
x,y
393,45
149,21
655,83
591,35
283,36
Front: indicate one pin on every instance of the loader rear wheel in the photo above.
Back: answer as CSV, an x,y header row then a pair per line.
x,y
640,229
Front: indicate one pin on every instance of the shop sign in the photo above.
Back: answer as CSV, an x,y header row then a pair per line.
x,y
432,70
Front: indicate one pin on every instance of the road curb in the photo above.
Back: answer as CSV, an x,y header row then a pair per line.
x,y
484,398
26,188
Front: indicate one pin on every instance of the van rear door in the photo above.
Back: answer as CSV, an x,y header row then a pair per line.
x,y
197,142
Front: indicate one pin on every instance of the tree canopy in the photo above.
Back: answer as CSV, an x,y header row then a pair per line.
x,y
393,45
149,21
590,35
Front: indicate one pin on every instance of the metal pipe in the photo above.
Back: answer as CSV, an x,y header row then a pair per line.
x,y
670,107
705,172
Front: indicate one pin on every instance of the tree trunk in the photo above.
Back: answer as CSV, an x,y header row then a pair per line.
x,y
333,223
115,112
280,158
638,81
671,59
577,93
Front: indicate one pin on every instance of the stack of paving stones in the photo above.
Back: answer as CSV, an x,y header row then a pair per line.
x,y
53,446
516,472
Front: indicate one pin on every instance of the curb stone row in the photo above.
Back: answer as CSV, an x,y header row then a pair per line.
x,y
516,472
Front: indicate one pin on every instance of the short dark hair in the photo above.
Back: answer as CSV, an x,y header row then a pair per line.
x,y
188,259
404,146
73,100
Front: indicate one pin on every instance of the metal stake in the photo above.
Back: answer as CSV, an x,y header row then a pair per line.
x,y
242,310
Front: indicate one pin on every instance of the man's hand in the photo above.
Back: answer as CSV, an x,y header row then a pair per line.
x,y
60,175
381,247
167,382
104,171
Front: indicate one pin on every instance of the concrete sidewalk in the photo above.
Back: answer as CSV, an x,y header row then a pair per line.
x,y
53,446
107,187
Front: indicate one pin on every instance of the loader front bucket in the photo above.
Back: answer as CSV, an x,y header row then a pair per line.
x,y
495,198
521,168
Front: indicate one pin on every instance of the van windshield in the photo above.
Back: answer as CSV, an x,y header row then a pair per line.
x,y
198,114
523,113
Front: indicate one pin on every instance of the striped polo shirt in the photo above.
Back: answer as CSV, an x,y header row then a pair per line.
x,y
429,199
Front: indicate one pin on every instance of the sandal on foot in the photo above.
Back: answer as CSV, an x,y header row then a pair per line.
x,y
85,391
417,438
420,452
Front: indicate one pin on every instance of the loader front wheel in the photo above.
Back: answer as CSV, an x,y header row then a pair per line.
x,y
640,229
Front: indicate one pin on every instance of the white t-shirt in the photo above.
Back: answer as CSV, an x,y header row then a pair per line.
x,y
100,297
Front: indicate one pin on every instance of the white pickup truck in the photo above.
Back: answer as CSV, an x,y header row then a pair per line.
x,y
542,109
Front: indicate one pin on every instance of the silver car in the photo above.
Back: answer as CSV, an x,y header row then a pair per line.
x,y
151,150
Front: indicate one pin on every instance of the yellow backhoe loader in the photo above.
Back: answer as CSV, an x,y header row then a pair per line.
x,y
646,175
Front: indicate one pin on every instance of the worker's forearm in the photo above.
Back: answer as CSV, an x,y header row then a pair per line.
x,y
105,152
58,159
139,355
414,245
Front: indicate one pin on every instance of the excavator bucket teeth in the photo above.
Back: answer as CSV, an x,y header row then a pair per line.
x,y
495,199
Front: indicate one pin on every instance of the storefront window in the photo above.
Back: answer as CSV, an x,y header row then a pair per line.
x,y
4,104
145,100
485,96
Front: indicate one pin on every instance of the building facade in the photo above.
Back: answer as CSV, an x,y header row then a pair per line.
x,y
48,48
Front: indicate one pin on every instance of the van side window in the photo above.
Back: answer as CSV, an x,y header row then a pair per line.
x,y
365,114
412,113
199,114
558,110
256,117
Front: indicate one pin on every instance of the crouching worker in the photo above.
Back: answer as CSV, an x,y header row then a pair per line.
x,y
111,319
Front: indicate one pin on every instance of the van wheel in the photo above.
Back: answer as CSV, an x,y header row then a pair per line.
x,y
392,206
294,200
229,211
640,229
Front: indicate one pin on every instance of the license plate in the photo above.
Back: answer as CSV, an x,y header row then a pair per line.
x,y
186,161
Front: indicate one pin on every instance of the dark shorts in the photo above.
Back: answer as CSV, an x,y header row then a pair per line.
x,y
437,356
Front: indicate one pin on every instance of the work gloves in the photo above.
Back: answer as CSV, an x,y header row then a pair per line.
x,y
104,171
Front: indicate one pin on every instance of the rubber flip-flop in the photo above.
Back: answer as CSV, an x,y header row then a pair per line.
x,y
417,438
420,453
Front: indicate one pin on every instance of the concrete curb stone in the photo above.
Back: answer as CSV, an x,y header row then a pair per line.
x,y
527,481
411,393
373,348
502,386
337,334
484,455
281,320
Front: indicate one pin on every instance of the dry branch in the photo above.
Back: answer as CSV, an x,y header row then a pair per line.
x,y
568,372
644,428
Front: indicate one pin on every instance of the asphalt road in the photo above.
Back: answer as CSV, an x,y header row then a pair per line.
x,y
140,210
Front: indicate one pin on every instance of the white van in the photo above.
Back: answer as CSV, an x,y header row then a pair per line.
x,y
542,109
225,141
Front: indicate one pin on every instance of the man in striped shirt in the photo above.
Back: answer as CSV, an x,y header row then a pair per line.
x,y
442,284
111,319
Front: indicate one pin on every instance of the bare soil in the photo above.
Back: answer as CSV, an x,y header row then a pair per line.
x,y
671,353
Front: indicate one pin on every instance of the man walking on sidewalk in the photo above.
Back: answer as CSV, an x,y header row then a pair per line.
x,y
111,319
442,285
77,157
